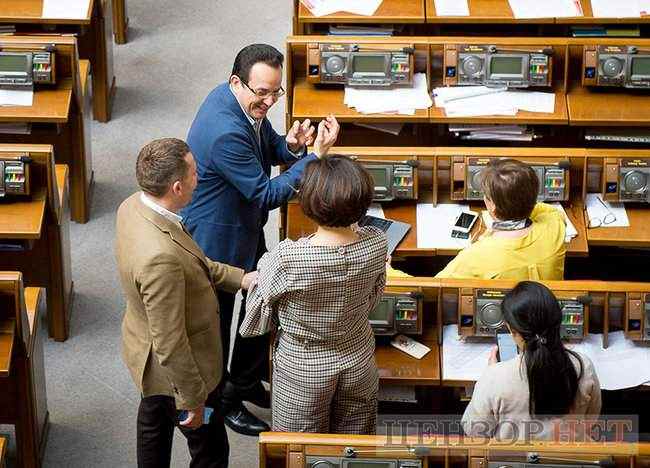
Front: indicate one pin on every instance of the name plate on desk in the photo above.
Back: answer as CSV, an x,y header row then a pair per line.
x,y
14,175
616,66
466,179
367,65
626,180
23,69
489,65
480,314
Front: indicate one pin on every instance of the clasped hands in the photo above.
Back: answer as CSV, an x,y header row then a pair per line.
x,y
302,134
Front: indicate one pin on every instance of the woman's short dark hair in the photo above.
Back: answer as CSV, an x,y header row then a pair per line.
x,y
512,186
255,53
335,191
160,164
532,310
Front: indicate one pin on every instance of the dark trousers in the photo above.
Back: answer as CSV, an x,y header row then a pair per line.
x,y
157,417
250,356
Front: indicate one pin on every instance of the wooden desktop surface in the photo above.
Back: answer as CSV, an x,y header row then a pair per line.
x,y
3,451
482,11
559,117
591,106
32,298
84,71
637,234
7,337
392,11
396,366
30,11
23,219
50,105
314,102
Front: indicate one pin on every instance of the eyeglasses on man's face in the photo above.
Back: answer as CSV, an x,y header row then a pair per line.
x,y
263,93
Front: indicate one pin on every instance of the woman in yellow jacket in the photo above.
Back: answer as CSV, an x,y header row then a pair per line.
x,y
526,241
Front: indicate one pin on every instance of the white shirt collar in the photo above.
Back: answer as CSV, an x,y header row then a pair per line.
x,y
173,217
250,119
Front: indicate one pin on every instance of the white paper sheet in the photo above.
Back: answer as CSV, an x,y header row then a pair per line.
x,y
14,97
434,225
463,360
451,8
67,9
595,209
467,101
616,8
545,8
571,230
327,7
623,364
376,210
394,100
644,7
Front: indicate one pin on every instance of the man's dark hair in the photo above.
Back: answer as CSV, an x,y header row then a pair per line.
x,y
256,53
336,191
160,164
512,186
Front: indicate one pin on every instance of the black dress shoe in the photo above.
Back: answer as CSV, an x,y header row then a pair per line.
x,y
258,395
244,422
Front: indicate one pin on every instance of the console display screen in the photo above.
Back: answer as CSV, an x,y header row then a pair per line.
x,y
13,63
381,313
641,66
379,176
369,64
506,66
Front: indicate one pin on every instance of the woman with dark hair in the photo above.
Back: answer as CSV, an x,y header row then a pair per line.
x,y
318,292
545,382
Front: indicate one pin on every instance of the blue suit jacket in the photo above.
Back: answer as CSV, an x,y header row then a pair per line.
x,y
234,193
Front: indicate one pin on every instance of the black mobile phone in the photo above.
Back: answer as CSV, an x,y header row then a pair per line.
x,y
506,344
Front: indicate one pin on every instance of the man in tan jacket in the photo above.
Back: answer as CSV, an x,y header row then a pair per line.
x,y
170,332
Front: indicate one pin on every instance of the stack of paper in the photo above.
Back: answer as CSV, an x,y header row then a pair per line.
x,y
327,7
463,360
16,97
396,100
546,8
598,209
435,223
451,8
624,364
493,132
469,101
347,30
67,9
618,8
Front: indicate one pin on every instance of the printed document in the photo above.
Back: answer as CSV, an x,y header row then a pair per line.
x,y
16,97
598,210
616,8
451,8
435,224
66,9
546,8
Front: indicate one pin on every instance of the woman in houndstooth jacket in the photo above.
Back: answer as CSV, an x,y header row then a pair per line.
x,y
317,292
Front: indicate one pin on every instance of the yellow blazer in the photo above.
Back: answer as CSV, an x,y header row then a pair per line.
x,y
171,340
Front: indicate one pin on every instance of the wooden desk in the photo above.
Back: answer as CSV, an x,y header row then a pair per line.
x,y
483,11
3,451
588,17
44,221
559,117
390,11
23,399
7,339
637,234
311,102
606,107
120,21
57,117
95,35
398,367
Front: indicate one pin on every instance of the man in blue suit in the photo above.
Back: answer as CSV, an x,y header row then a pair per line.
x,y
235,147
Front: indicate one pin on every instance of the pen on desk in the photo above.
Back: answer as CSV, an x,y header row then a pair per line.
x,y
293,188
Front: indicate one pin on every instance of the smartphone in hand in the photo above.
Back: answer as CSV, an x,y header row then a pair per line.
x,y
207,412
506,344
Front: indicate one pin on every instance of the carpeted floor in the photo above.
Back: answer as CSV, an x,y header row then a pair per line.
x,y
178,51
